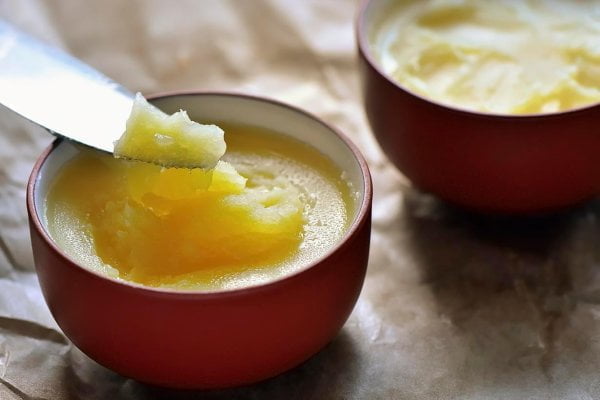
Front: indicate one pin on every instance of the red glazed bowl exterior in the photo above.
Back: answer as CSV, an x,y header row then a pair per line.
x,y
486,162
202,340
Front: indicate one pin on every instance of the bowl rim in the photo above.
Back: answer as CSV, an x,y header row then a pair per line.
x,y
361,217
364,51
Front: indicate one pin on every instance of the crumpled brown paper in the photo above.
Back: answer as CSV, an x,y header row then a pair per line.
x,y
454,306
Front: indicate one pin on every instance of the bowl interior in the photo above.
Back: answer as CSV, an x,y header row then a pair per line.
x,y
244,110
371,15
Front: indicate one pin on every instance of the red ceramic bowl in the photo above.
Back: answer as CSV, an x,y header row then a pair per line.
x,y
208,339
488,162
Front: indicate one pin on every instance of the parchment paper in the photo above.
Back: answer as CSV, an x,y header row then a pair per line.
x,y
455,306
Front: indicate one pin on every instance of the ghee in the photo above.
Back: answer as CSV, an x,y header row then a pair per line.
x,y
169,140
505,57
269,207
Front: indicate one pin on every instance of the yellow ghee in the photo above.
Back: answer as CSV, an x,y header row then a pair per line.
x,y
286,205
506,57
169,140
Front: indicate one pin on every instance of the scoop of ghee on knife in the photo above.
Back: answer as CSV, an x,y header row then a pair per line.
x,y
169,140
74,101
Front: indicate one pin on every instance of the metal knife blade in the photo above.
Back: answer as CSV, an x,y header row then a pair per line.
x,y
60,93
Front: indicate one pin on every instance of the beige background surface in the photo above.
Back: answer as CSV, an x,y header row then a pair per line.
x,y
454,305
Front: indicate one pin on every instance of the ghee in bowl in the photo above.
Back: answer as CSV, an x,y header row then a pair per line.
x,y
271,205
238,323
502,57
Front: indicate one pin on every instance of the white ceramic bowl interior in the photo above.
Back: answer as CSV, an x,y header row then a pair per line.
x,y
373,14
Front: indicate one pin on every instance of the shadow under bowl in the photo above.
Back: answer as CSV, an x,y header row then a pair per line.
x,y
220,338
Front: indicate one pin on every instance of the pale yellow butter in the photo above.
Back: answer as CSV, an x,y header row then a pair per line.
x,y
508,57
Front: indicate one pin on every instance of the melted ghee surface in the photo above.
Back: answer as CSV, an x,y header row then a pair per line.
x,y
507,57
286,205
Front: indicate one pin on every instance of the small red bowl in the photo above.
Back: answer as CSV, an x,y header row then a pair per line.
x,y
487,162
208,339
